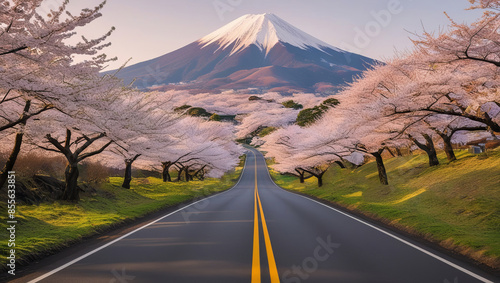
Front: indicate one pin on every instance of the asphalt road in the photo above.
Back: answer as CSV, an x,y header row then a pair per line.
x,y
257,232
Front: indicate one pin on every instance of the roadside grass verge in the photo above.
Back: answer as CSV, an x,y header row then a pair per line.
x,y
455,205
46,228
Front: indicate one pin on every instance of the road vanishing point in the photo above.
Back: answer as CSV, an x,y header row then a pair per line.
x,y
258,232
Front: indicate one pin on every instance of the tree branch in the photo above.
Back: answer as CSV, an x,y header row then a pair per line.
x,y
24,117
86,155
58,145
14,50
89,142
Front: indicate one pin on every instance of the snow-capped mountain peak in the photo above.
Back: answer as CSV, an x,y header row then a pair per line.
x,y
259,52
264,31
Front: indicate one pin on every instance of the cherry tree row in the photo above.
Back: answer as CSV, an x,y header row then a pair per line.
x,y
51,102
445,91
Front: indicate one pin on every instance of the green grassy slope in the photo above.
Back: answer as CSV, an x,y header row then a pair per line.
x,y
456,205
52,226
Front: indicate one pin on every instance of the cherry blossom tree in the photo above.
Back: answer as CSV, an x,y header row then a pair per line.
x,y
196,147
367,103
470,55
299,151
475,42
85,126
208,146
147,123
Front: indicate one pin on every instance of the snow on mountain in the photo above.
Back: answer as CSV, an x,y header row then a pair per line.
x,y
263,30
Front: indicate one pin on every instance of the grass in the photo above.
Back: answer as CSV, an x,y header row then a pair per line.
x,y
456,205
52,226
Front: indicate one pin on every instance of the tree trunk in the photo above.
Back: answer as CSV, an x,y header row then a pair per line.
x,y
314,173
382,174
71,192
398,151
186,174
166,171
301,175
320,180
431,151
339,163
301,178
128,171
429,148
448,148
433,159
200,173
128,174
179,174
9,165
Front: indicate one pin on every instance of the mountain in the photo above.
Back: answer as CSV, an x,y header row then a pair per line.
x,y
254,51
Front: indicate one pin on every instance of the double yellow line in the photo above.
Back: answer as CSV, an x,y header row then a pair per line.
x,y
273,271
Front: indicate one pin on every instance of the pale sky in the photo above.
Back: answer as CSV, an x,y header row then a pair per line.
x,y
375,28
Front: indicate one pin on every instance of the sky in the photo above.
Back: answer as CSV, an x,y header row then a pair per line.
x,y
374,28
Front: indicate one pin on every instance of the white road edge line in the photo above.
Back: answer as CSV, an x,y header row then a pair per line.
x,y
132,232
468,272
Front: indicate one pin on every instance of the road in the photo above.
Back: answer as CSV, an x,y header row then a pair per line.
x,y
257,232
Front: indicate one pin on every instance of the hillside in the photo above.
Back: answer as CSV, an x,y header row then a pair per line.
x,y
454,205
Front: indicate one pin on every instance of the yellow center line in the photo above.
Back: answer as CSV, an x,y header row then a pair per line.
x,y
273,270
256,248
